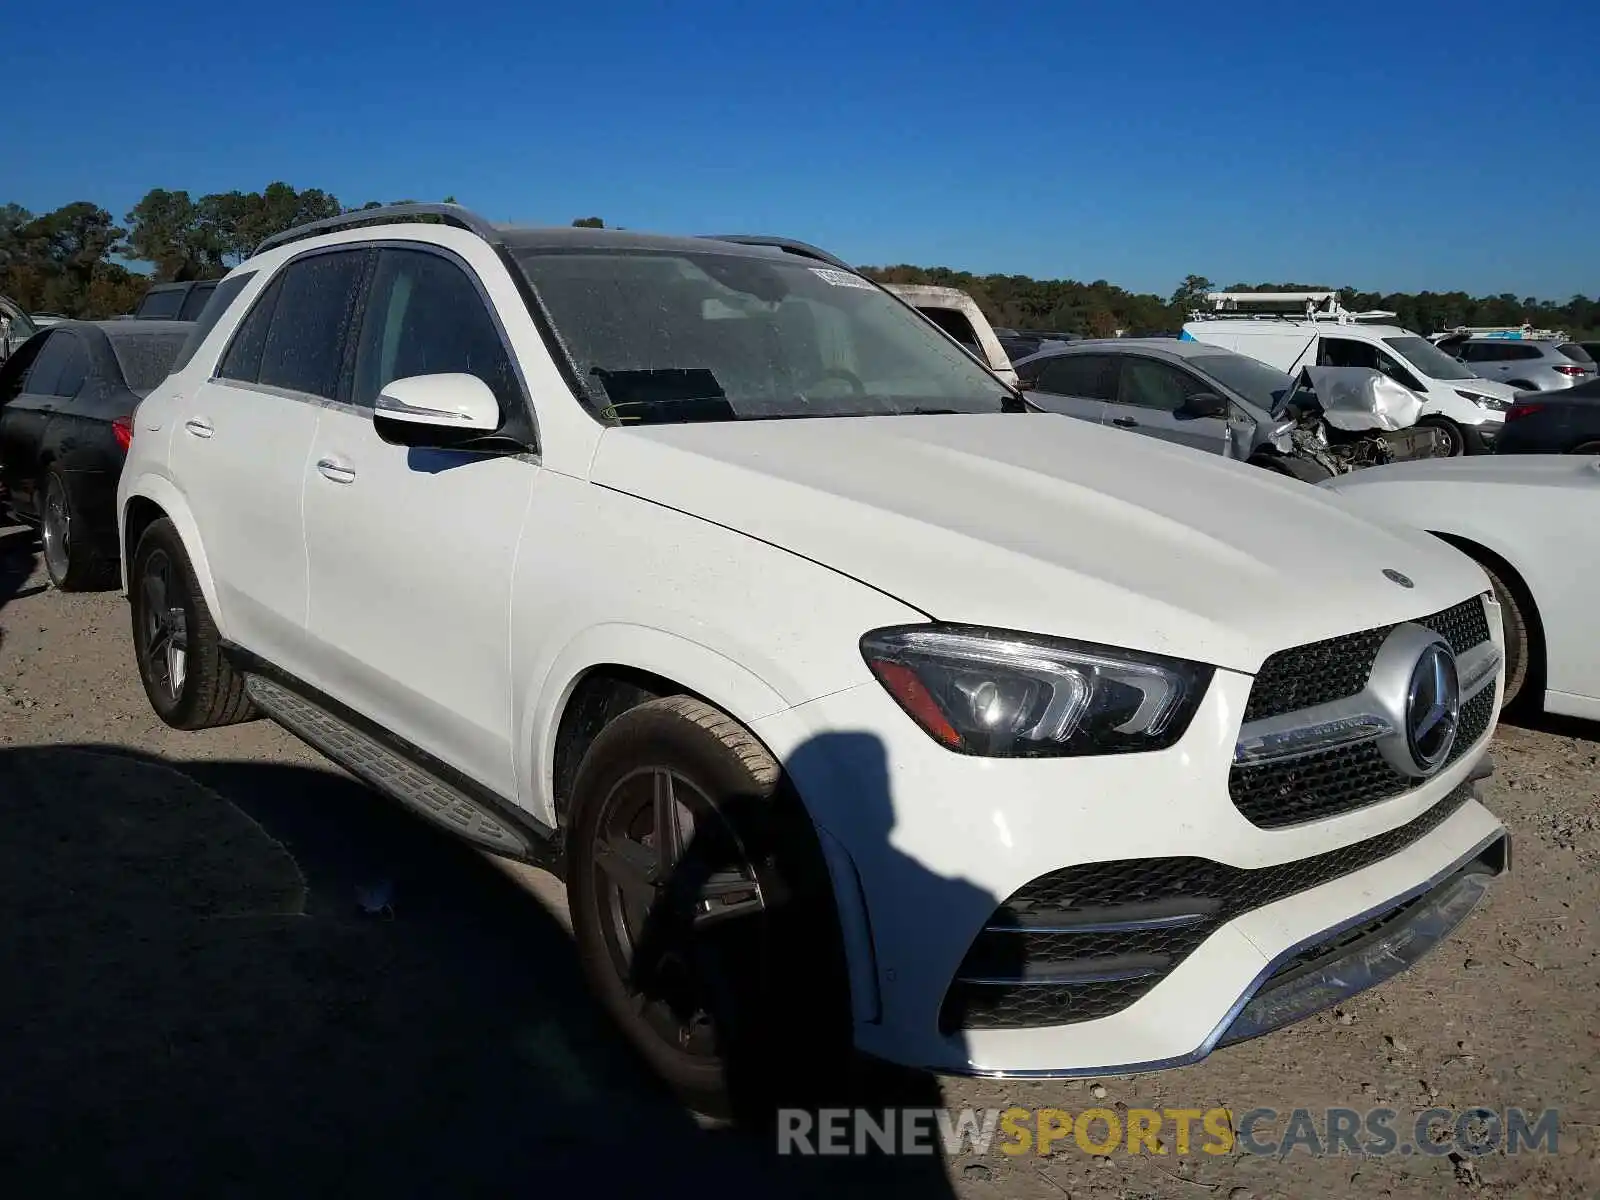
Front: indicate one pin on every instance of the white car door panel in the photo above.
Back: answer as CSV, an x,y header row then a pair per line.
x,y
412,550
241,455
241,444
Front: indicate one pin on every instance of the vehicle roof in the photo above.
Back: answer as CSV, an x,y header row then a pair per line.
x,y
561,237
1298,324
1170,347
120,327
185,284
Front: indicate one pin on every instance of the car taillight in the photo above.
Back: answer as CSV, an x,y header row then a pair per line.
x,y
122,429
1572,370
1521,410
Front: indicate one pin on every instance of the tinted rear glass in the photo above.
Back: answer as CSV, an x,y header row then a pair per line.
x,y
146,358
162,304
1575,352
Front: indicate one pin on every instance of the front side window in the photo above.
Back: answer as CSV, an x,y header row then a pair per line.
x,y
424,316
668,336
1145,383
1255,381
1346,352
1089,376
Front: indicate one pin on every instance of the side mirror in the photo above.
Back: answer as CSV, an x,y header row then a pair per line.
x,y
439,411
1204,404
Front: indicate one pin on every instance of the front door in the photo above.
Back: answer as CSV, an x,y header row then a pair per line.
x,y
1076,385
1151,398
411,551
58,371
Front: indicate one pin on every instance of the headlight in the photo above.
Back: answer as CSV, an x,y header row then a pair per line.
x,y
1011,695
1492,402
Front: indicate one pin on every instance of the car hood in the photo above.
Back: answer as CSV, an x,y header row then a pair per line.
x,y
1477,471
1051,525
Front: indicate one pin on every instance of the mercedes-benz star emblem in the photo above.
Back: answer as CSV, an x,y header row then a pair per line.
x,y
1433,708
1403,580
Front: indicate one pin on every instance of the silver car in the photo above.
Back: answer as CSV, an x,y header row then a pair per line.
x,y
1527,364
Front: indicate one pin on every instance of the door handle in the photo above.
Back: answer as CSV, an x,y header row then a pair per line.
x,y
332,469
1125,422
199,426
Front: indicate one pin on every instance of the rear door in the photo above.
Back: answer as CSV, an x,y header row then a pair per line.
x,y
1077,385
1151,396
243,443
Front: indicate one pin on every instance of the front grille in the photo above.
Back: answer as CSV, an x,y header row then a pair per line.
x,y
1337,667
1130,890
1274,795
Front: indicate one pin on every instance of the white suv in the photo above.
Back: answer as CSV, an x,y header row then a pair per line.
x,y
854,701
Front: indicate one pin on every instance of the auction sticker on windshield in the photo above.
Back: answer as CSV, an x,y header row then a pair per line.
x,y
840,278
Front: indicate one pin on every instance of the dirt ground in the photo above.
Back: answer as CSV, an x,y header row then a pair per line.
x,y
198,1003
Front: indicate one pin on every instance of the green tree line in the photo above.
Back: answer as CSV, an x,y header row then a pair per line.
x,y
72,261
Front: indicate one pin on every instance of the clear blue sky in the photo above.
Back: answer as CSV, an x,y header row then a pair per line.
x,y
1394,146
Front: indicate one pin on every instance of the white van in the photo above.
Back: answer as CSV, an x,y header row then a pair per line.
x,y
1469,411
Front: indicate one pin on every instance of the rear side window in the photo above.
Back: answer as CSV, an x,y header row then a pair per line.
x,y
304,346
1575,352
223,295
1346,352
195,301
52,359
161,305
1092,376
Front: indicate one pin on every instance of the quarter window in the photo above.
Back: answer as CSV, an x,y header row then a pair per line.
x,y
53,362
304,347
217,303
424,316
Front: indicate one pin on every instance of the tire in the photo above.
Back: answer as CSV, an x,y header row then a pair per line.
x,y
730,1012
70,560
193,687
1455,439
1516,615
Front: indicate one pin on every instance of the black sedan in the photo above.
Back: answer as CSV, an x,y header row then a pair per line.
x,y
67,397
1564,422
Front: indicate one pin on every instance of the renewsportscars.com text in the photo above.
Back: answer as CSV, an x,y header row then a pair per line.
x,y
1013,1131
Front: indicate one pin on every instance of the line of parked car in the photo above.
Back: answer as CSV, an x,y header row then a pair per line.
x,y
860,700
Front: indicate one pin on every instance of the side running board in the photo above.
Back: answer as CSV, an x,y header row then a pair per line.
x,y
382,768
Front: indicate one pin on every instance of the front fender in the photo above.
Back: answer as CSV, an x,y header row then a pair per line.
x,y
730,686
162,492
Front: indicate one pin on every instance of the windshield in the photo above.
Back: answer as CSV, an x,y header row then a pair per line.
x,y
1255,381
663,336
1427,358
146,358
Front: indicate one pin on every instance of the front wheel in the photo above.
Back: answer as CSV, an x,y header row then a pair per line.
x,y
1453,442
175,642
1519,641
701,908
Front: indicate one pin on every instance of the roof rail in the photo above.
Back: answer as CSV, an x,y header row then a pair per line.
x,y
1523,332
449,214
802,249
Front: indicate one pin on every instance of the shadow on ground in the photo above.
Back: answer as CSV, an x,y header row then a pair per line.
x,y
1556,726
196,1004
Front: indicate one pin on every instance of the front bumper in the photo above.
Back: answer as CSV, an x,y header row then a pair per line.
x,y
926,847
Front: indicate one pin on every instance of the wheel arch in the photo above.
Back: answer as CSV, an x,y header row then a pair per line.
x,y
149,500
601,672
1513,579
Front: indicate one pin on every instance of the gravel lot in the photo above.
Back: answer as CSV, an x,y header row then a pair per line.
x,y
197,1002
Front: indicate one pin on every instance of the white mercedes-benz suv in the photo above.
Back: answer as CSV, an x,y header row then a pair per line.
x,y
856,703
